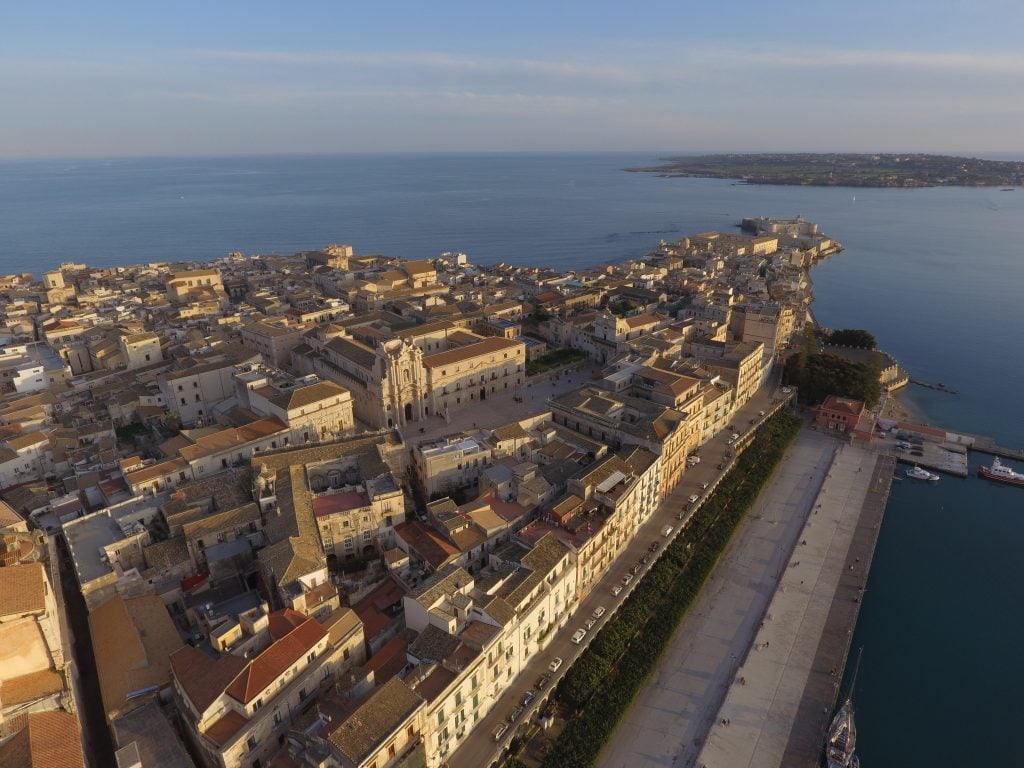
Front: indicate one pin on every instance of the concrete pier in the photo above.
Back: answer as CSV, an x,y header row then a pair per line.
x,y
783,693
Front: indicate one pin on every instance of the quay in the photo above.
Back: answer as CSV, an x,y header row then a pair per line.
x,y
783,693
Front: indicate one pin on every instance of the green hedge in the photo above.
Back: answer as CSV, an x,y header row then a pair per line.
x,y
603,683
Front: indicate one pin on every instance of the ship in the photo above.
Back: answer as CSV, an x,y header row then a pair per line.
x,y
1001,473
842,737
842,733
917,473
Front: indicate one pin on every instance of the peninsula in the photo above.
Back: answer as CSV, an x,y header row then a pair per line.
x,y
845,170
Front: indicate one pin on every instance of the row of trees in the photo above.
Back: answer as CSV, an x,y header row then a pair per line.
x,y
603,683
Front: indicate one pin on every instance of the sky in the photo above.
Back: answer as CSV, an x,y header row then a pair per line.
x,y
224,77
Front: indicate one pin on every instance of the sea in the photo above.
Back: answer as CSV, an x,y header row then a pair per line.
x,y
937,275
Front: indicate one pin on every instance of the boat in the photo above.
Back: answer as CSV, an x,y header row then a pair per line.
x,y
842,734
842,737
1001,473
917,473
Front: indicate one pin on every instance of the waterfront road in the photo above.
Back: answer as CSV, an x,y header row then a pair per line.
x,y
671,717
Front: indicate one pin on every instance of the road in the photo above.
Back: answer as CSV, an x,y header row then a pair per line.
x,y
480,748
670,718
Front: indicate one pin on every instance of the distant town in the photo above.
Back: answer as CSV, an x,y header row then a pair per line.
x,y
846,170
333,509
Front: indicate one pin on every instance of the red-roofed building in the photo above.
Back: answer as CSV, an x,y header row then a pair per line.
x,y
235,709
845,415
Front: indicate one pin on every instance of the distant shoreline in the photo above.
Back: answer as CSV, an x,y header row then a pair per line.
x,y
907,171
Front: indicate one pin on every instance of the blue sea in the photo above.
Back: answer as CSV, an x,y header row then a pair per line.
x,y
936,274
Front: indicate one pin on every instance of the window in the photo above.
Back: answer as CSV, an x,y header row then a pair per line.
x,y
440,717
251,744
391,749
367,535
278,719
312,655
410,733
346,655
183,401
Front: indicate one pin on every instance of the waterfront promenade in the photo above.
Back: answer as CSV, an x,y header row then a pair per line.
x,y
782,696
670,718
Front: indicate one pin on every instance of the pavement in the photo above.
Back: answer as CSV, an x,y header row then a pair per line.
x,y
480,748
670,718
501,407
754,724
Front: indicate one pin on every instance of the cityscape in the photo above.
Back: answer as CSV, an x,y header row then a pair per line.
x,y
493,387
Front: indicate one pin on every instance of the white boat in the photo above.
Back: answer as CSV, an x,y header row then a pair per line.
x,y
917,473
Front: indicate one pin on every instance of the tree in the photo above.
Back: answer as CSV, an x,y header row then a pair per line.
x,y
852,337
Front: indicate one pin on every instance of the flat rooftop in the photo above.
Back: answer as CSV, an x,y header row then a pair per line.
x,y
86,537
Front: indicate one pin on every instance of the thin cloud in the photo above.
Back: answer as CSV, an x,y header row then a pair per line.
x,y
442,62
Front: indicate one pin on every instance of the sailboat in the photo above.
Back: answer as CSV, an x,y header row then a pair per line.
x,y
842,734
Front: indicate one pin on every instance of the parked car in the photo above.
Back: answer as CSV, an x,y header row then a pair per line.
x,y
500,731
555,664
704,486
590,623
693,498
617,590
655,544
626,579
760,413
722,465
516,714
598,612
529,697
730,441
786,390
644,559
635,569
578,635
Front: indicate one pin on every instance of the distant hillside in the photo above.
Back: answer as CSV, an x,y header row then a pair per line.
x,y
846,170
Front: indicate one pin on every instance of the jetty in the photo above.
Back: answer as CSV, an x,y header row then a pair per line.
x,y
783,693
937,387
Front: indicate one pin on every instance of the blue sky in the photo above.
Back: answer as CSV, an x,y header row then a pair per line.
x,y
249,77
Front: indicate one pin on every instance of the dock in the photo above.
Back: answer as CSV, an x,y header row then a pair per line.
x,y
783,694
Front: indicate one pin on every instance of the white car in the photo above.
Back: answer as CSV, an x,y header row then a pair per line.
x,y
617,590
555,664
578,635
598,612
787,390
693,498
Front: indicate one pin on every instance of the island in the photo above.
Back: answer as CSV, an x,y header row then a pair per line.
x,y
845,170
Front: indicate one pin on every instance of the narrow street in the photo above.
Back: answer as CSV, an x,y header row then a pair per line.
x,y
96,738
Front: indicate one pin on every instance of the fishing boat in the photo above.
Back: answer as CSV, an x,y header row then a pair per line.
x,y
917,473
1001,473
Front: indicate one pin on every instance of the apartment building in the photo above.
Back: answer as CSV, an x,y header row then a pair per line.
x,y
236,711
449,464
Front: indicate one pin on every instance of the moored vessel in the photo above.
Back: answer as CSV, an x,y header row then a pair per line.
x,y
918,473
1001,473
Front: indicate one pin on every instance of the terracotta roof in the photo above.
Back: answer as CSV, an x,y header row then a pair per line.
x,y
226,439
272,662
314,393
131,640
48,740
488,346
638,321
221,731
34,685
154,471
202,678
362,734
22,590
842,405
283,622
